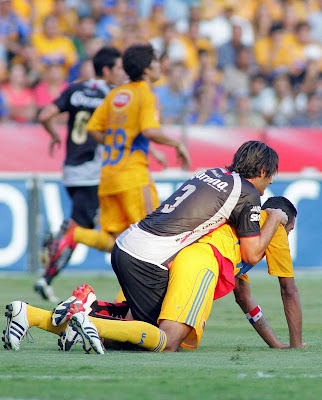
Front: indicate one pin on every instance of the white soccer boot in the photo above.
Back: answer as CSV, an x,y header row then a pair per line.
x,y
68,338
88,331
17,325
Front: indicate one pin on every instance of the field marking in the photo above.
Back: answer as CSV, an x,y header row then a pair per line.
x,y
261,374
64,377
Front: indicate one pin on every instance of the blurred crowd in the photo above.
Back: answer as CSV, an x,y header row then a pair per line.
x,y
223,62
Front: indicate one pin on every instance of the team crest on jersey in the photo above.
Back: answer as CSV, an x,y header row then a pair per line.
x,y
122,100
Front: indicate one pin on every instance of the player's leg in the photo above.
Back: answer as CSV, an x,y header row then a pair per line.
x,y
60,248
20,318
136,204
112,223
138,333
188,301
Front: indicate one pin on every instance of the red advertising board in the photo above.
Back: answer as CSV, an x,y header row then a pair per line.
x,y
24,147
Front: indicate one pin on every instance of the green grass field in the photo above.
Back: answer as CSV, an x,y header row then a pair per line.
x,y
232,361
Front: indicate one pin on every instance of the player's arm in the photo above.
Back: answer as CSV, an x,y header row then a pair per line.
x,y
279,263
156,136
292,308
247,303
97,124
253,247
45,117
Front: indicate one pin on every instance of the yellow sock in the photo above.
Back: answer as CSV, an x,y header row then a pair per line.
x,y
120,297
136,332
42,319
100,240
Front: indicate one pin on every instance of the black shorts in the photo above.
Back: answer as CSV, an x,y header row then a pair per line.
x,y
84,204
144,285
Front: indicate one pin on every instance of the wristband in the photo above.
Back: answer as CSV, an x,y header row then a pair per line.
x,y
254,315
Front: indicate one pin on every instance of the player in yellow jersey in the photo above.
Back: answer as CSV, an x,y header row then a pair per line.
x,y
279,264
125,123
200,272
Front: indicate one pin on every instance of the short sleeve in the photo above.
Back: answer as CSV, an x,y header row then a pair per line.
x,y
278,255
247,221
149,112
98,120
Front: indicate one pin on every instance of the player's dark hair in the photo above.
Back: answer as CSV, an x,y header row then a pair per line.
x,y
284,204
136,59
252,157
105,57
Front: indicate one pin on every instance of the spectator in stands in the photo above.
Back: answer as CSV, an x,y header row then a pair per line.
x,y
262,97
14,32
236,77
243,115
283,102
226,53
52,47
50,87
175,99
86,70
170,43
110,25
204,112
67,17
312,116
19,98
271,53
262,22
85,31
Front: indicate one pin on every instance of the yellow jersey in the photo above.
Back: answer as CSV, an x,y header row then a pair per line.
x,y
126,112
278,255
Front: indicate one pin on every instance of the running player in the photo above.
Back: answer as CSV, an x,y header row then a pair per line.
x,y
125,123
82,165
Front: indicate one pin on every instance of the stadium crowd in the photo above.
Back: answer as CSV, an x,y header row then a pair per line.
x,y
224,62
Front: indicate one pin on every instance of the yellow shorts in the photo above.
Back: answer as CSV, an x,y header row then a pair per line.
x,y
192,280
244,277
119,211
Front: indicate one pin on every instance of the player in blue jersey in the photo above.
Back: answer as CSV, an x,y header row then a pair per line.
x,y
82,165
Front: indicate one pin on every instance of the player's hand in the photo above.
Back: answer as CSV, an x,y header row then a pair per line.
x,y
160,157
279,214
55,142
183,156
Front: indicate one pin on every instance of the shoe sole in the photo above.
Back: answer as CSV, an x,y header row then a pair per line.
x,y
8,314
78,327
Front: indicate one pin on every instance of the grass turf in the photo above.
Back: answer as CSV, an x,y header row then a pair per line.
x,y
232,361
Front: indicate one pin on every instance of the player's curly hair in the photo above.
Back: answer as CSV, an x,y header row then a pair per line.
x,y
284,204
252,157
136,59
105,57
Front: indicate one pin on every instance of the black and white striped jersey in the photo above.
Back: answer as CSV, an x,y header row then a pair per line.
x,y
83,159
200,205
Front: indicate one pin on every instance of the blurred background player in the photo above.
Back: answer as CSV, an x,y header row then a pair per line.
x,y
125,123
83,160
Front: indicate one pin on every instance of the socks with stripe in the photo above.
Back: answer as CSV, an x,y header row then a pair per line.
x,y
98,239
42,319
136,332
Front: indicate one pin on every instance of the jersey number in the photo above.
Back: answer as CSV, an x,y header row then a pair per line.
x,y
189,189
79,133
119,139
